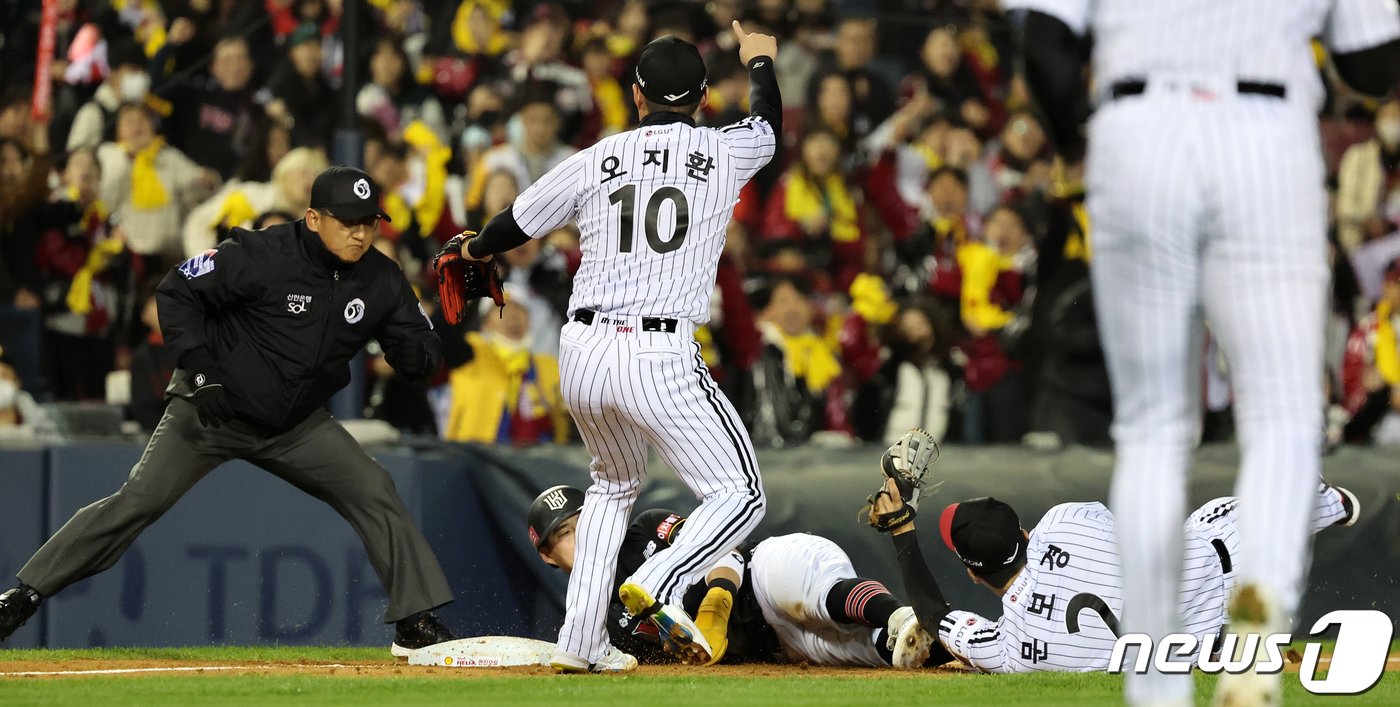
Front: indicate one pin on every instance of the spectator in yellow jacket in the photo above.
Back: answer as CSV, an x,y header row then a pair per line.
x,y
505,392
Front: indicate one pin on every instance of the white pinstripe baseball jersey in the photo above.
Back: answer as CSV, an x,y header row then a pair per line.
x,y
1257,40
652,206
1061,613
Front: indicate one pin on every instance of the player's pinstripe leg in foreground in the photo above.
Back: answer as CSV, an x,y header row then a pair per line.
x,y
1147,274
618,465
1206,196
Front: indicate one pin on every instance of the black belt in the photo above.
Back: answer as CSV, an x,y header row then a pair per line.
x,y
1136,87
665,325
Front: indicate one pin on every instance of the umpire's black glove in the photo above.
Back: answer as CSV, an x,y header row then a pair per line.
x,y
413,359
210,397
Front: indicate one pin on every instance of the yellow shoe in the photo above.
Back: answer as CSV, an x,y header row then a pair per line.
x,y
713,621
679,634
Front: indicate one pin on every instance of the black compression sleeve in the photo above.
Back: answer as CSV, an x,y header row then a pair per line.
x,y
924,594
764,100
1053,55
501,234
1372,71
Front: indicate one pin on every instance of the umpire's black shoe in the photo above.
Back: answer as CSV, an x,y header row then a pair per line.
x,y
419,631
16,606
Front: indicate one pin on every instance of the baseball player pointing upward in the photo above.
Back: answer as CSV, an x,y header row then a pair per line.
x,y
651,205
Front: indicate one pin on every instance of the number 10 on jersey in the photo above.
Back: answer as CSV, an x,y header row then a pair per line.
x,y
626,196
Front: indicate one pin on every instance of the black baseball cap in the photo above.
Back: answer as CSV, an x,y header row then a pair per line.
x,y
671,72
347,193
986,535
550,509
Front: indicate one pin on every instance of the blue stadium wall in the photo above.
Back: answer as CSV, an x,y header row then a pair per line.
x,y
246,559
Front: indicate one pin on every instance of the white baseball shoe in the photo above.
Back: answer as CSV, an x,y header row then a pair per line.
x,y
1253,609
907,639
615,662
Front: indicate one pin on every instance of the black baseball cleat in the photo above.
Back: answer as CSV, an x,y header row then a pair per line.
x,y
16,606
420,630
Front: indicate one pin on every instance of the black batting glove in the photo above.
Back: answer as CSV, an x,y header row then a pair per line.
x,y
210,396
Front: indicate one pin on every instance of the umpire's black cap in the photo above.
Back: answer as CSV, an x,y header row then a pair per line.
x,y
986,535
550,509
671,72
347,193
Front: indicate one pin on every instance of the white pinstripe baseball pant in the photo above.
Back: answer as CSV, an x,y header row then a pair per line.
x,y
630,390
1208,204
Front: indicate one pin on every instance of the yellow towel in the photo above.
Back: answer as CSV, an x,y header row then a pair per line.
x,y
147,191
870,300
1077,246
461,28
429,209
1387,348
516,360
980,265
607,94
80,292
805,197
807,356
236,210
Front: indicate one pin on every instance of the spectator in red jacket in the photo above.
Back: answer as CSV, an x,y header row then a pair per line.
x,y
928,260
79,258
993,276
1371,368
1019,164
784,399
814,212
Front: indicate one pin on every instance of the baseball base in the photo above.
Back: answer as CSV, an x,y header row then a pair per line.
x,y
484,652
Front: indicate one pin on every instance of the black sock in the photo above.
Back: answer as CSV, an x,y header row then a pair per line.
x,y
861,601
723,583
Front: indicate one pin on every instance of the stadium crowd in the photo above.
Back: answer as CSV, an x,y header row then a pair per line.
x,y
911,258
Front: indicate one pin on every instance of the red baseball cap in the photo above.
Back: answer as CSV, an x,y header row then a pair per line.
x,y
986,535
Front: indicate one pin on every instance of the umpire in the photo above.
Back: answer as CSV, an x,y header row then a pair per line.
x,y
264,327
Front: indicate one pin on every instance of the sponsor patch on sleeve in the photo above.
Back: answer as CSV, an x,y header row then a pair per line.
x,y
201,264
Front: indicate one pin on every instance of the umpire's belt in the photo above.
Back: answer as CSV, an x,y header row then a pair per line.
x,y
665,325
1137,87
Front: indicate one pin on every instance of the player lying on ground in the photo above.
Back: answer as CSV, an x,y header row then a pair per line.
x,y
1061,583
788,598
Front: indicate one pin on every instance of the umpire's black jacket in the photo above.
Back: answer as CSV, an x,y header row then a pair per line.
x,y
282,317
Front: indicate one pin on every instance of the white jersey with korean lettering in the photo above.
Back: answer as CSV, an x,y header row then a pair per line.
x,y
1061,613
652,206
1256,40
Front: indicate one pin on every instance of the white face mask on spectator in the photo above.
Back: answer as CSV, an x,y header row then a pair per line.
x,y
1389,132
9,390
134,86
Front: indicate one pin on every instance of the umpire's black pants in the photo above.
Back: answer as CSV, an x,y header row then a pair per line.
x,y
317,456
